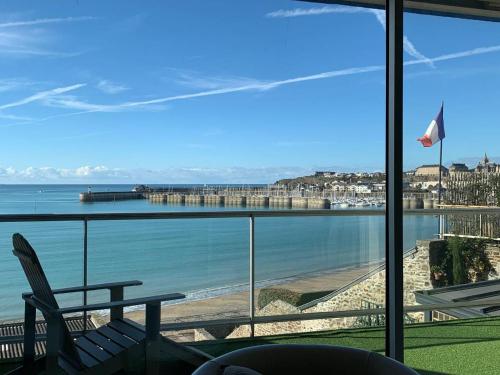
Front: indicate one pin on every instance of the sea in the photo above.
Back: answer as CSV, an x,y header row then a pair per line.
x,y
199,257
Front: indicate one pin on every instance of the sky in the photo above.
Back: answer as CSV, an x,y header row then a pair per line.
x,y
230,91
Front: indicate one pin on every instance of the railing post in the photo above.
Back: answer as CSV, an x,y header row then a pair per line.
x,y
252,276
85,269
441,227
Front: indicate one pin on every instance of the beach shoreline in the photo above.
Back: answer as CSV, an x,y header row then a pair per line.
x,y
235,303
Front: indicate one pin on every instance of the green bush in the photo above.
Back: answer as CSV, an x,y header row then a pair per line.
x,y
268,295
466,257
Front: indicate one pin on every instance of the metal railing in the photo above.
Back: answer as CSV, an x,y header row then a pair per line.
x,y
251,320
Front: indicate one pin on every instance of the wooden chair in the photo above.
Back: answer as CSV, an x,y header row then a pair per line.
x,y
106,350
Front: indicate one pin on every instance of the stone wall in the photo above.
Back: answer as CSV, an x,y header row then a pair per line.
x,y
493,252
416,272
277,307
370,288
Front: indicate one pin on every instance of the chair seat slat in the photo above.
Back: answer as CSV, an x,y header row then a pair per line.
x,y
87,360
127,329
117,338
104,342
93,349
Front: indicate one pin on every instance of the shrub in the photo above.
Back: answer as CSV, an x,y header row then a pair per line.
x,y
466,261
457,250
268,295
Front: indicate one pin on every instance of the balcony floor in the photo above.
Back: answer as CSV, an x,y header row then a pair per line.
x,y
452,347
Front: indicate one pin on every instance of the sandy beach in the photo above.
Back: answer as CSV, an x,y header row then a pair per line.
x,y
237,304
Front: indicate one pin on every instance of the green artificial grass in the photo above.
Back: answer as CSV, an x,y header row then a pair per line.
x,y
453,347
458,347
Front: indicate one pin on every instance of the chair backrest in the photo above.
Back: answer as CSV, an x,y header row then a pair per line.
x,y
42,291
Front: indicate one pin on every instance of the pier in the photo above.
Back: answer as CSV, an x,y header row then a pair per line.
x,y
270,196
241,201
110,196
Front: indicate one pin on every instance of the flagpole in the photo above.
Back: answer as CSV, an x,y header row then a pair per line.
x,y
441,218
440,169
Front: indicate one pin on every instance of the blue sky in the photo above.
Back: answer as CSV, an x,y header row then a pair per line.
x,y
225,91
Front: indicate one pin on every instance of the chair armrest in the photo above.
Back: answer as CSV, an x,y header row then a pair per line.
x,y
38,304
87,288
124,303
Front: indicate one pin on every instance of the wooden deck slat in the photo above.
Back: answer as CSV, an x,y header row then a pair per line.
x,y
127,329
15,350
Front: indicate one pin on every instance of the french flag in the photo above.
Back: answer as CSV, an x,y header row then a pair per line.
x,y
435,131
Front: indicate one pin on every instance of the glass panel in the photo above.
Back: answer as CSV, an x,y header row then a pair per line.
x,y
59,247
455,266
213,106
205,259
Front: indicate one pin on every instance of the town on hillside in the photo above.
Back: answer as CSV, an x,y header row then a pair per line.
x,y
461,185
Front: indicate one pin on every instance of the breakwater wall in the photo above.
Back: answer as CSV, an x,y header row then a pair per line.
x,y
266,201
417,203
240,200
110,196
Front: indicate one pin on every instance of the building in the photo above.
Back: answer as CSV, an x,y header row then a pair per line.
x,y
430,170
363,189
487,166
328,174
458,168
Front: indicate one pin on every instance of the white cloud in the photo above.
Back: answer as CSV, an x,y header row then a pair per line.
x,y
379,14
51,174
195,80
41,21
412,51
261,86
72,103
53,97
458,55
29,42
188,175
299,12
14,117
408,46
103,174
42,95
23,38
110,87
11,84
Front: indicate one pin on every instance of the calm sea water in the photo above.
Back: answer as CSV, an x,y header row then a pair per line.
x,y
200,257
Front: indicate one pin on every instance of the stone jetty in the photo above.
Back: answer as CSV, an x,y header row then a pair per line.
x,y
241,201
